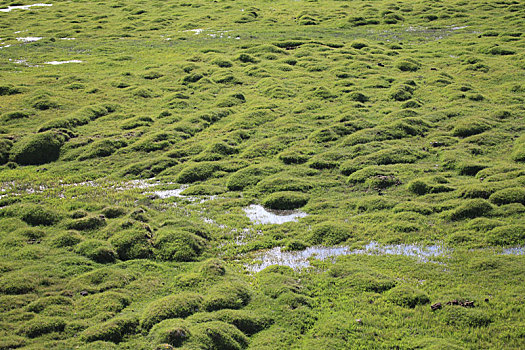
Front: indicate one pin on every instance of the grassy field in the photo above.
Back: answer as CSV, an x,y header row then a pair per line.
x,y
135,136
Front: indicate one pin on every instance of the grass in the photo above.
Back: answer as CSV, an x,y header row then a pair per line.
x,y
398,123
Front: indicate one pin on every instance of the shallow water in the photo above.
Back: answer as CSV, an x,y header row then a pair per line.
x,y
23,7
29,39
300,259
196,31
63,62
514,251
260,215
177,193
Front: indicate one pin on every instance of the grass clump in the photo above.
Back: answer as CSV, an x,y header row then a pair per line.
x,y
102,148
38,148
197,172
217,335
79,118
249,176
508,196
95,304
233,295
113,212
113,330
471,209
174,331
407,296
5,148
132,244
17,284
286,200
247,321
36,215
212,268
408,65
469,127
87,223
173,306
419,187
14,116
41,325
97,250
41,304
330,233
6,90
507,235
177,245
518,153
465,317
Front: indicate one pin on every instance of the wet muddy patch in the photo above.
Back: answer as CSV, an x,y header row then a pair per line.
x,y
260,215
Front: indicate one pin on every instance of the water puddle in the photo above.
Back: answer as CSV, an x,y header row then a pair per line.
x,y
23,7
196,31
54,63
212,33
514,251
30,39
301,259
260,215
177,193
16,189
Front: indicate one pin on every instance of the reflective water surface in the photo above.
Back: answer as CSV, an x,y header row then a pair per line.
x,y
300,259
260,215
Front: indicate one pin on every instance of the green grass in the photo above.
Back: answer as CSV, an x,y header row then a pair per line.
x,y
400,123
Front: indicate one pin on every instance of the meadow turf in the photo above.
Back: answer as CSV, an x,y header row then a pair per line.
x,y
134,135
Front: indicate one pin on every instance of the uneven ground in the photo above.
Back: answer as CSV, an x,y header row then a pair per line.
x,y
391,125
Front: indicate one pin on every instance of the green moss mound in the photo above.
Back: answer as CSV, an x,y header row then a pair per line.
x,y
97,250
133,244
173,331
285,200
178,245
113,330
407,297
173,306
42,325
217,335
330,233
38,148
39,215
508,196
460,316
233,295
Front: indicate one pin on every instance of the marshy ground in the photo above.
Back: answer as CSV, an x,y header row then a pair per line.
x,y
262,175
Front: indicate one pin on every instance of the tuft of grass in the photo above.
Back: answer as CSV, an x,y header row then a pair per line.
x,y
39,148
173,306
330,233
407,296
285,200
97,250
41,325
471,209
234,295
